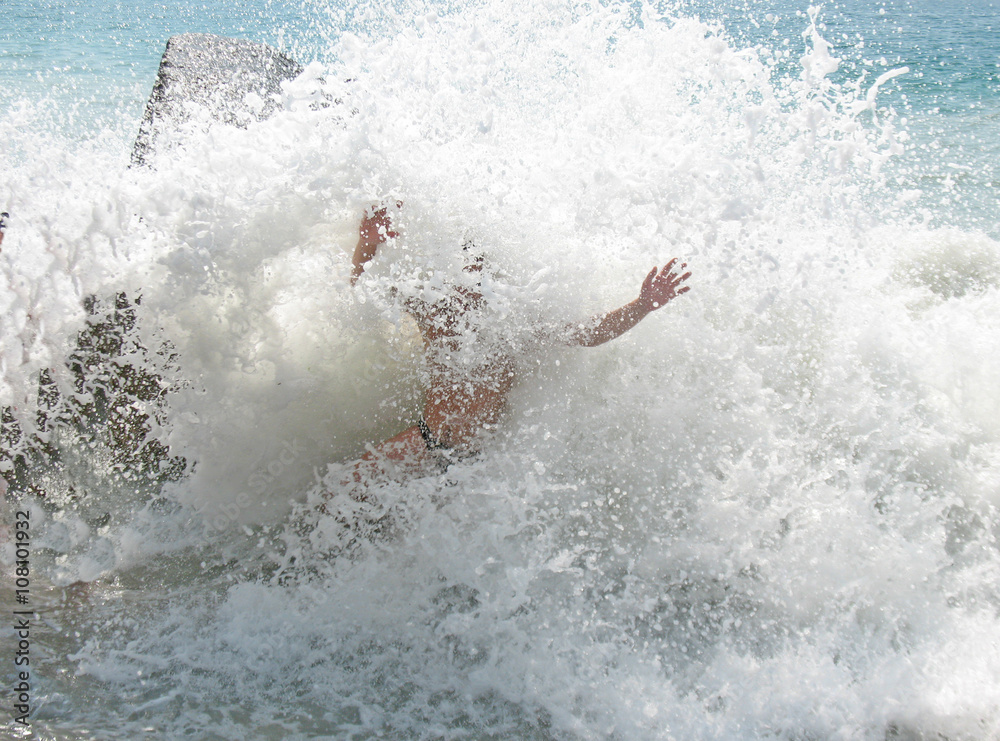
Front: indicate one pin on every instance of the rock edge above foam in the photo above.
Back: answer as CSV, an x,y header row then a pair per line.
x,y
234,80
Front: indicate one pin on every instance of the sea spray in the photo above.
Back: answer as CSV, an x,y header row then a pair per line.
x,y
770,509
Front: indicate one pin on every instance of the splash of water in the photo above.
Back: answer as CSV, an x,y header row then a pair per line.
x,y
769,509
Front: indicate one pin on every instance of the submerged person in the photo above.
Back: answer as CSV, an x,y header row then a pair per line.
x,y
463,399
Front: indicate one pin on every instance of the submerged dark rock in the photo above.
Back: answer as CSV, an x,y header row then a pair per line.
x,y
234,80
112,395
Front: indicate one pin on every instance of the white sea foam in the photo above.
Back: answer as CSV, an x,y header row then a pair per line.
x,y
767,511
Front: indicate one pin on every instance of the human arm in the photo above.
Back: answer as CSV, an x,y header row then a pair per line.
x,y
659,287
375,228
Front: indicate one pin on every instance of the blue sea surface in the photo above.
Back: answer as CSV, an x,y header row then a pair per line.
x,y
91,65
949,100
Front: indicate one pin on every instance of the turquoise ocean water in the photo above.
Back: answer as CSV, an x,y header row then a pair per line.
x,y
91,67
771,511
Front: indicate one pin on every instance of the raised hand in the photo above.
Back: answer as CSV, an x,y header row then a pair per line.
x,y
661,286
376,227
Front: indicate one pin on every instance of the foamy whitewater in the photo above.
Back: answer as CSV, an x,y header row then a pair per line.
x,y
769,511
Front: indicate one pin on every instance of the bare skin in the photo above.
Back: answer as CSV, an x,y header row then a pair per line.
x,y
455,409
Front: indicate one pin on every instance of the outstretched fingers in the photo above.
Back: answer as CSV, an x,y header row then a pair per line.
x,y
673,277
664,284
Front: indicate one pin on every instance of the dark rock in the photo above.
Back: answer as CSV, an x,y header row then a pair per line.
x,y
215,73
